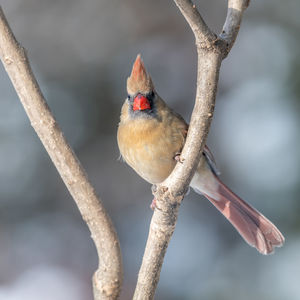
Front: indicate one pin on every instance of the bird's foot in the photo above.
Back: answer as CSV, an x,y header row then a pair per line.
x,y
153,204
154,188
178,158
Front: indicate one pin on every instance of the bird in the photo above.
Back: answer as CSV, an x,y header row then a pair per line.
x,y
150,138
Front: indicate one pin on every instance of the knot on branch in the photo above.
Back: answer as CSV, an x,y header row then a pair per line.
x,y
166,195
167,204
216,45
109,290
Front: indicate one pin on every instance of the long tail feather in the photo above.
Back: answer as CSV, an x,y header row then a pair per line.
x,y
255,228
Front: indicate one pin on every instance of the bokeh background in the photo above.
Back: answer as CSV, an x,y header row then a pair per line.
x,y
82,52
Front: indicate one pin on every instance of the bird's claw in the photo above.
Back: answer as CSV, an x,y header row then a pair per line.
x,y
153,204
178,158
154,188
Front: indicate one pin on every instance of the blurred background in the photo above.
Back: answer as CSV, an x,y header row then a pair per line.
x,y
82,53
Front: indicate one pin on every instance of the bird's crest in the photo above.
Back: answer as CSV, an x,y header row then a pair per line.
x,y
139,80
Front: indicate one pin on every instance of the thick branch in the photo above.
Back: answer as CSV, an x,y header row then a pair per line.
x,y
170,193
211,50
108,277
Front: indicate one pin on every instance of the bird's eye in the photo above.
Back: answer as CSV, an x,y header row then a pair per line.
x,y
151,95
128,97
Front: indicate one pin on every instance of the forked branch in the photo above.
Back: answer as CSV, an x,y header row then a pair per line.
x,y
212,49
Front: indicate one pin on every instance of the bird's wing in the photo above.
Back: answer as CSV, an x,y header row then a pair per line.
x,y
211,160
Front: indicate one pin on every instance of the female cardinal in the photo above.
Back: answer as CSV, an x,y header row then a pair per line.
x,y
151,137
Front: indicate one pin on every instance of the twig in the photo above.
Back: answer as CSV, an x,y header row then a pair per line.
x,y
107,279
169,194
233,21
202,32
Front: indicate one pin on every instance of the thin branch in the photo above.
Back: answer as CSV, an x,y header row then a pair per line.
x,y
233,21
169,194
108,278
202,32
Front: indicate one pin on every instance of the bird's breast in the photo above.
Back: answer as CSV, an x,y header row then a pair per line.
x,y
149,147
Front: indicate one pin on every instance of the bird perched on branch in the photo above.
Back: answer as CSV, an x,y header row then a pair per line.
x,y
150,138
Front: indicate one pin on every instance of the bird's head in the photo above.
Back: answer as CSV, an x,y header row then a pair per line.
x,y
141,93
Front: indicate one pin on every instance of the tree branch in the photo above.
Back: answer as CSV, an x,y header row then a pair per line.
x,y
169,194
107,279
202,32
233,21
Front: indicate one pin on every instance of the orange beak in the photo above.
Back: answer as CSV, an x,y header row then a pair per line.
x,y
141,103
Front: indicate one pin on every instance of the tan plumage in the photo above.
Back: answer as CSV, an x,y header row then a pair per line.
x,y
152,142
151,135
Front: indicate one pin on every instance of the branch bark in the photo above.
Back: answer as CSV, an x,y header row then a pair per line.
x,y
107,279
233,21
211,49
